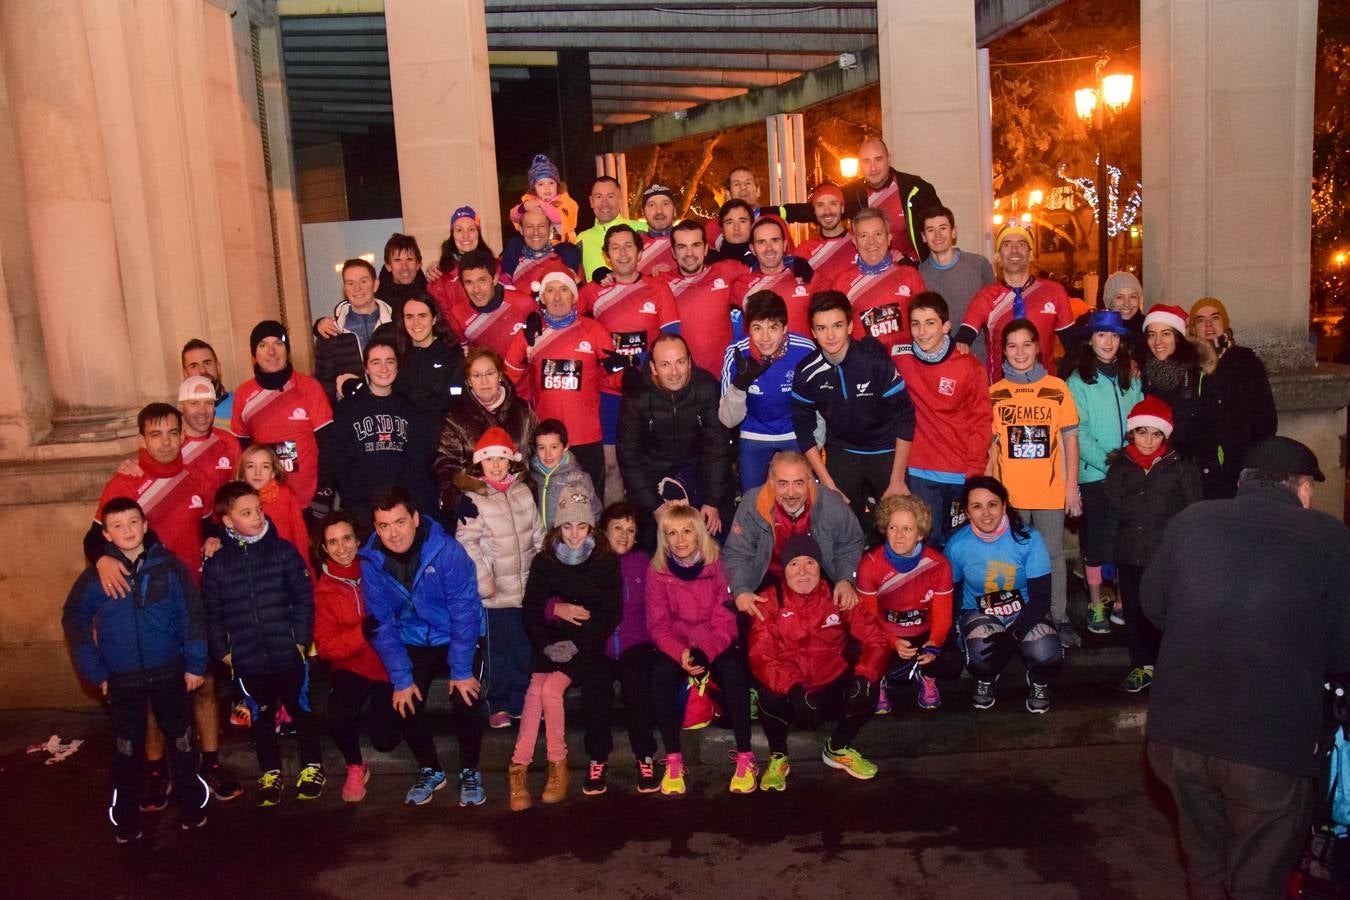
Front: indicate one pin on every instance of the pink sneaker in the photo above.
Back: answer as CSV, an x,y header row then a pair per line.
x,y
354,788
883,699
499,720
928,698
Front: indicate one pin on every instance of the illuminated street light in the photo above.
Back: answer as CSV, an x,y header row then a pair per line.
x,y
1035,197
998,219
1091,103
848,167
1026,218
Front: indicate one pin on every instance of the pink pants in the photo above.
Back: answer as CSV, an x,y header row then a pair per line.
x,y
543,699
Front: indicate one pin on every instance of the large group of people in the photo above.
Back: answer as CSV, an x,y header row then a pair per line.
x,y
691,458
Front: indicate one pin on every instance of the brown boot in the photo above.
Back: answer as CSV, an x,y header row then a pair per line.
x,y
520,791
555,789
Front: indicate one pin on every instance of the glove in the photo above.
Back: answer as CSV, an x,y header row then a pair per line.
x,y
322,504
613,362
534,326
697,658
748,368
465,508
351,387
368,626
561,652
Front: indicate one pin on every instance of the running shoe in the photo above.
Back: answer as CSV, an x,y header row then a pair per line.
x,y
309,786
595,779
743,778
471,791
1097,622
194,819
221,784
672,782
929,697
155,791
850,760
1067,636
1038,697
428,782
127,836
883,699
648,781
499,720
241,715
1139,678
1117,613
984,695
775,774
354,786
269,788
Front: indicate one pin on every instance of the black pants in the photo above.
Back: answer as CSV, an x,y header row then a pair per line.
x,y
1242,827
633,670
947,666
859,476
269,692
839,701
167,697
1141,635
427,663
591,457
1091,540
354,701
732,677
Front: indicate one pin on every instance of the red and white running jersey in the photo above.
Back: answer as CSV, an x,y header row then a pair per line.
x,y
881,302
286,420
495,329
795,293
889,201
563,372
706,302
213,458
828,256
656,254
908,603
174,506
634,314
529,272
952,412
1045,304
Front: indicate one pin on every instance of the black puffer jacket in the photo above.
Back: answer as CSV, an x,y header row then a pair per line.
x,y
259,604
431,377
594,584
1139,505
661,431
467,421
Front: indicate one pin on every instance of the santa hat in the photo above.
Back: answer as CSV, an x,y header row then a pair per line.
x,y
560,277
495,444
1171,316
1151,413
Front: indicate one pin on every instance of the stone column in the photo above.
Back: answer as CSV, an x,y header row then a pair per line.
x,y
438,72
55,118
930,102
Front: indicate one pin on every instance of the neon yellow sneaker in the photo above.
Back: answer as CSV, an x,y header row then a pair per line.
x,y
743,779
672,782
775,774
850,760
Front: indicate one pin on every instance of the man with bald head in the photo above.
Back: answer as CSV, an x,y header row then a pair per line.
x,y
530,255
901,196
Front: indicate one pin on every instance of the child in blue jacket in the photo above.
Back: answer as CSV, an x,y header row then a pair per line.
x,y
146,647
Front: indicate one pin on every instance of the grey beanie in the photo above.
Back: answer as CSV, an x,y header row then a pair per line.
x,y
574,506
1118,282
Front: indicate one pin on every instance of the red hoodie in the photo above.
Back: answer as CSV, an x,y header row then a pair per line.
x,y
802,639
338,610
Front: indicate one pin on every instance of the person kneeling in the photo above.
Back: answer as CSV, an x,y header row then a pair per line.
x,y
797,652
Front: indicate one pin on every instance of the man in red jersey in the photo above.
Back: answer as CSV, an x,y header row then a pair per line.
x,y
286,410
208,451
703,296
952,413
901,196
878,287
830,251
1020,295
773,270
488,314
658,208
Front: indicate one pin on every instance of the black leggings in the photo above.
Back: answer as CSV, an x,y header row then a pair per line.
x,y
946,667
1091,540
986,656
427,663
276,689
167,697
353,701
859,476
1141,635
844,701
633,670
732,677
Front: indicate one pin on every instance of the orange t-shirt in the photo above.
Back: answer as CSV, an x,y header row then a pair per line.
x,y
1029,425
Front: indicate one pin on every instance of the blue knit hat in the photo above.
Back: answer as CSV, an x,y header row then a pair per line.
x,y
542,167
464,212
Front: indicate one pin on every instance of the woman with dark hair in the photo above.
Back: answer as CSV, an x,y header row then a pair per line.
x,y
466,235
1001,575
490,402
1104,391
1169,369
431,363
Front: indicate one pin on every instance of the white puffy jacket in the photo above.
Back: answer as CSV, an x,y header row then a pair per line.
x,y
502,539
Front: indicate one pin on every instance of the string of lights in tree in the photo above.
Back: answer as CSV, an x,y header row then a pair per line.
x,y
1116,221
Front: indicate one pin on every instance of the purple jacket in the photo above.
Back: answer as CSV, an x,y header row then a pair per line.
x,y
682,614
632,629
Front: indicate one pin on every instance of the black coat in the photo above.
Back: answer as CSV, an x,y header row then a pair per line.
x,y
661,432
1237,399
594,584
1253,599
467,421
259,604
918,195
1139,505
431,377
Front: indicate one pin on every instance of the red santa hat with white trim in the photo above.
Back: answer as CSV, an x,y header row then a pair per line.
x,y
1151,413
1171,316
495,444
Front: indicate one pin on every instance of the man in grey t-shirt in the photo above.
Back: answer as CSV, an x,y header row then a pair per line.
x,y
954,274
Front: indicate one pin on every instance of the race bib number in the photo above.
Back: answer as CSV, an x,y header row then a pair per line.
x,y
882,320
956,516
562,374
629,343
1001,603
905,618
1029,441
288,453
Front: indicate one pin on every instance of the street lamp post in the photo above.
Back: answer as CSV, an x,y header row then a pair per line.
x,y
1109,92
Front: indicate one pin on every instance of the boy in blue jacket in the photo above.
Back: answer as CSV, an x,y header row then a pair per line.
x,y
426,618
146,647
260,618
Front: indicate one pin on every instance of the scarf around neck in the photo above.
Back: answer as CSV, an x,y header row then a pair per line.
x,y
990,537
1031,376
569,557
272,381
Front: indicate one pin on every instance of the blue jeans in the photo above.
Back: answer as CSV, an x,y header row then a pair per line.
x,y
507,669
939,498
755,458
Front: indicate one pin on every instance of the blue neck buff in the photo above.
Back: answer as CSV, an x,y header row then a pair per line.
x,y
543,251
561,322
937,355
567,556
886,263
903,563
1031,376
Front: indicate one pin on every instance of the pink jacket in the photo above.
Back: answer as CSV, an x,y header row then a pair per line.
x,y
683,614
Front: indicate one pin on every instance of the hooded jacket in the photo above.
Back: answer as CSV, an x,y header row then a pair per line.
x,y
339,608
916,198
159,625
468,421
749,545
1102,411
803,638
683,614
1139,505
442,608
567,477
502,539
